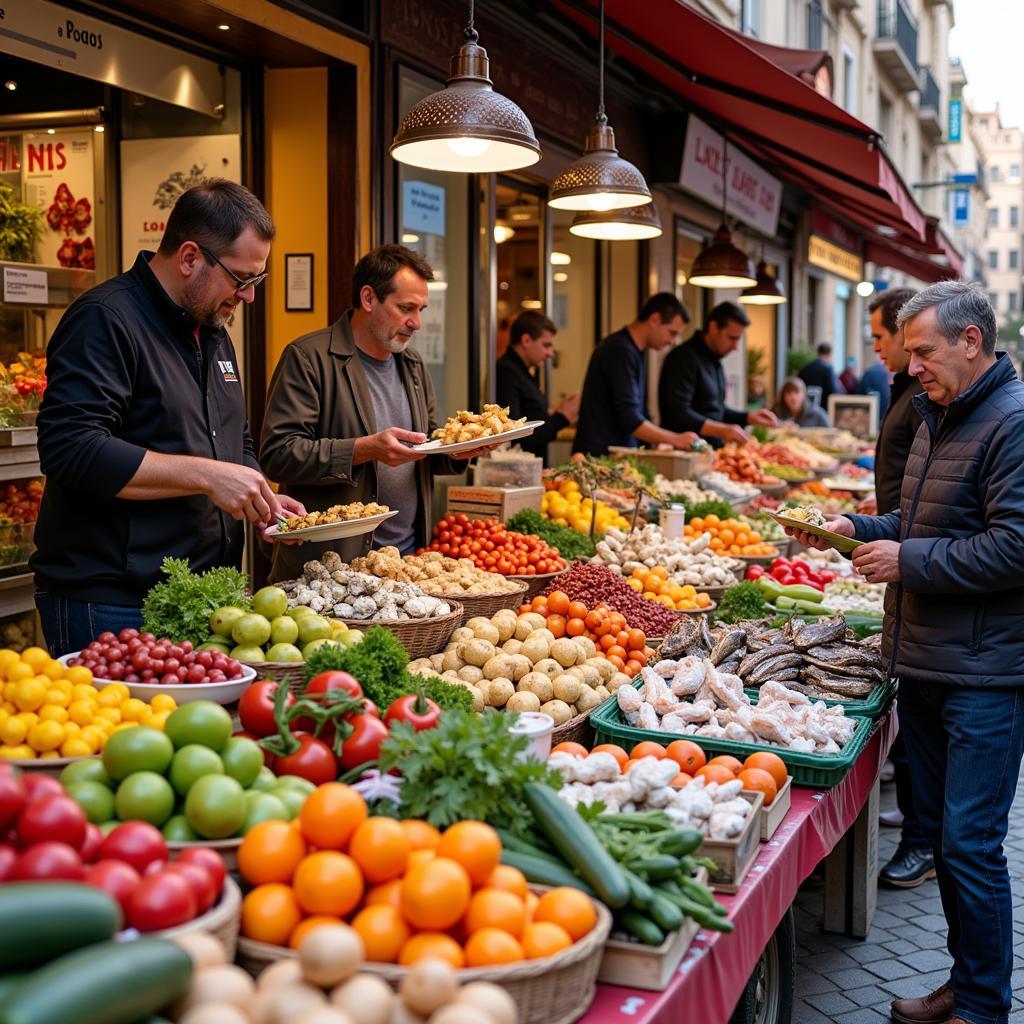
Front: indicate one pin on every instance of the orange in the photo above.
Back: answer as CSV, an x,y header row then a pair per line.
x,y
570,908
419,857
558,602
574,627
495,908
432,944
509,879
492,946
436,894
635,640
532,899
568,747
540,604
389,894
727,761
474,845
303,928
328,882
647,749
578,610
615,750
556,623
270,852
715,773
544,938
383,931
270,913
421,836
687,754
758,779
681,781
381,849
771,763
330,815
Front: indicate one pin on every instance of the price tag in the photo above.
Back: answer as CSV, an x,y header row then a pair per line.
x,y
28,286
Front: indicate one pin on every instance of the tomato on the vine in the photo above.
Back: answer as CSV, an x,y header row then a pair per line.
x,y
368,733
256,708
313,761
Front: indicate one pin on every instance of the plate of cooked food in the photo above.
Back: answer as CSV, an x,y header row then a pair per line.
x,y
468,430
811,520
334,523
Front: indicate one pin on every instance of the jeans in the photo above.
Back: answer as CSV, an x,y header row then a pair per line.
x,y
964,745
71,625
911,834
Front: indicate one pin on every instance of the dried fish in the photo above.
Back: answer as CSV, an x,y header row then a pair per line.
x,y
772,668
751,661
815,634
728,645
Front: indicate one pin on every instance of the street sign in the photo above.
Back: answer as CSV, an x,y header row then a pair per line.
x,y
956,119
965,178
961,207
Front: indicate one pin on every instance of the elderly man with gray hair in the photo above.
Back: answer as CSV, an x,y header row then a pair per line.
x,y
954,550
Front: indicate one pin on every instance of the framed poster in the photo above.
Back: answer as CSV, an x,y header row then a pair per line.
x,y
856,413
298,286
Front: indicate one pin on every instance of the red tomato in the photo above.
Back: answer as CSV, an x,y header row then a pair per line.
x,y
163,900
334,680
208,859
314,760
37,786
785,578
90,847
256,708
115,878
48,861
755,572
199,881
419,711
12,796
368,733
8,855
53,818
135,842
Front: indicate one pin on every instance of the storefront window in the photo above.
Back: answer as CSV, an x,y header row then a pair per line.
x,y
520,254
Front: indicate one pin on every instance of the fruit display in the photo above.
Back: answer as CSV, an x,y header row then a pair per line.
x,y
810,455
471,426
490,546
731,490
51,711
688,491
787,572
729,536
22,385
740,463
334,514
20,504
434,573
781,455
655,585
565,505
19,633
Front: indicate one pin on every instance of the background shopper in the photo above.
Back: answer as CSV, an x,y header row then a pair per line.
x,y
818,373
793,406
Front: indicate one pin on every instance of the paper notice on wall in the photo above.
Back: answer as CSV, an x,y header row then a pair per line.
x,y
429,338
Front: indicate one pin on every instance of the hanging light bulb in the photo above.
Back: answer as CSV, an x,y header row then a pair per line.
x,y
767,291
466,126
721,264
502,232
600,179
635,223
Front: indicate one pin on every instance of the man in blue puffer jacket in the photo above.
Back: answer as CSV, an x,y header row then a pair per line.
x,y
955,551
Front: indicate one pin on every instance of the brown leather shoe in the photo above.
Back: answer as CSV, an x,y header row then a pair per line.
x,y
936,1008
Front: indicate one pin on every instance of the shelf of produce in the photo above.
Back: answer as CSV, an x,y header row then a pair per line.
x,y
17,594
20,470
715,971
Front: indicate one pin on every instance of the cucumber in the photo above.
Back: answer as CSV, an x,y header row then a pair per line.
x,y
655,868
665,914
542,871
681,842
640,893
640,926
513,842
570,835
43,920
106,983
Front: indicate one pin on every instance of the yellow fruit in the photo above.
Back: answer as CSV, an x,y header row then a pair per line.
x,y
82,711
28,717
13,731
71,729
125,725
22,752
94,737
49,755
163,702
30,694
46,736
158,719
57,698
84,691
10,707
53,669
8,658
16,673
10,689
132,710
75,747
112,715
113,695
52,713
78,674
36,657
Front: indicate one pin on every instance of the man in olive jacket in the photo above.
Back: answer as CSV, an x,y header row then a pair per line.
x,y
347,403
955,551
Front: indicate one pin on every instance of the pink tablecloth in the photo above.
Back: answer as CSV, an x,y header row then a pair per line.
x,y
714,972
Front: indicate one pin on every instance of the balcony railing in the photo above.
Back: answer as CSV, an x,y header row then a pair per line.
x,y
929,89
896,22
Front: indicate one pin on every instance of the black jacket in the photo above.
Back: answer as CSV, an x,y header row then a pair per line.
x,y
124,375
691,389
614,399
894,440
819,374
955,616
518,389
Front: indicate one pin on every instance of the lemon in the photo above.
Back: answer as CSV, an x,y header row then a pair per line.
x,y
113,695
75,747
35,657
78,674
13,731
163,702
93,737
46,736
53,669
53,713
57,698
22,752
112,715
19,671
84,691
132,710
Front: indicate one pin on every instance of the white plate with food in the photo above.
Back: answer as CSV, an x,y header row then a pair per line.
x,y
837,540
332,531
855,485
437,448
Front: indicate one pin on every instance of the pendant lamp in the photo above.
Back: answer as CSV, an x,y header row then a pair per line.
x,y
767,292
466,126
600,179
721,264
632,224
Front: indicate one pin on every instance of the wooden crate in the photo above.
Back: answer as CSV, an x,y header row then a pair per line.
x,y
493,502
733,857
635,965
771,817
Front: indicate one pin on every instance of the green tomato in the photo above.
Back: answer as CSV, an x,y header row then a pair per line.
x,y
190,763
265,780
145,796
106,827
293,799
139,749
94,798
270,602
296,782
215,806
89,769
177,830
263,807
243,760
200,721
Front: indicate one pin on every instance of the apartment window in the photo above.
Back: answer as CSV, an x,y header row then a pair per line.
x,y
1014,216
993,259
1014,257
752,17
885,117
993,217
993,300
849,81
994,173
1014,170
815,21
1011,302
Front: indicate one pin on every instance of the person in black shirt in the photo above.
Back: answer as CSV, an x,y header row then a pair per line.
x,y
691,390
142,431
531,345
613,410
818,373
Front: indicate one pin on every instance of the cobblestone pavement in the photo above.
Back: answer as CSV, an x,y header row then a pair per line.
x,y
849,981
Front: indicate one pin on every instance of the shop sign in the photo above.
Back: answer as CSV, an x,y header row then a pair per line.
x,y
754,196
961,207
430,336
823,253
29,286
422,208
954,132
60,37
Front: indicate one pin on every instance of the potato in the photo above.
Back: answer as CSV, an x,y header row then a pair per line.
x,y
471,673
590,674
588,699
527,623
436,661
577,671
617,680
536,648
415,666
520,667
567,688
605,668
505,623
512,646
451,661
476,652
588,645
498,666
549,667
523,701
478,698
538,683
462,634
558,710
602,692
499,691
544,633
483,630
452,676
565,652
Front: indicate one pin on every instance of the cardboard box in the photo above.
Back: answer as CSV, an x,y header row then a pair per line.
x,y
734,857
493,502
673,465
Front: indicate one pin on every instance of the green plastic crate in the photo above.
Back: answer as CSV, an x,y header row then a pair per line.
x,y
871,707
818,771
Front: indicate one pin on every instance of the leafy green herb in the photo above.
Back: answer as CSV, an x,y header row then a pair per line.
x,y
571,543
180,606
713,506
467,767
743,601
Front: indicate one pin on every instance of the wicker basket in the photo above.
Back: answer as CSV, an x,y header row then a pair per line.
x,y
291,673
535,584
576,730
221,920
555,990
227,848
489,604
420,637
695,611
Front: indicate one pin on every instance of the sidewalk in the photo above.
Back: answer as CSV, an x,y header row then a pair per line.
x,y
848,981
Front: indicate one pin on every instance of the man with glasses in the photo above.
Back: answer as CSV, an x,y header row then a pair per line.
x,y
142,431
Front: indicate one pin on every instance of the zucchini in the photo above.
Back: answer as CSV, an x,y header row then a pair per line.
x,y
43,920
640,926
665,914
575,841
655,868
106,983
681,842
513,842
542,871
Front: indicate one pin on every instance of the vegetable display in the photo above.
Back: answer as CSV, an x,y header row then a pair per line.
x,y
565,505
785,572
744,601
729,536
434,573
655,585
571,544
490,546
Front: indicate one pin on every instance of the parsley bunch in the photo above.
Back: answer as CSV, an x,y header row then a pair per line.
x,y
180,606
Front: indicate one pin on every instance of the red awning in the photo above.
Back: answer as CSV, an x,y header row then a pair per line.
x,y
760,105
887,254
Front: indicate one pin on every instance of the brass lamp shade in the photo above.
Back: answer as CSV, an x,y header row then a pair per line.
x,y
722,264
633,223
767,292
601,179
466,126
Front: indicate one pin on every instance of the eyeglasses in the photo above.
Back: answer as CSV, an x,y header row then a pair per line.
x,y
240,283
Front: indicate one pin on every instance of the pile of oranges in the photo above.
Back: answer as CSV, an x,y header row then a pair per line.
x,y
655,585
625,648
762,771
729,536
408,890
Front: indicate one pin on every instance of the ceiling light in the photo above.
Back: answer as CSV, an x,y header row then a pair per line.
x,y
766,292
99,129
560,259
680,278
521,215
466,126
10,85
502,232
532,304
223,27
51,131
560,276
865,288
632,224
408,238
